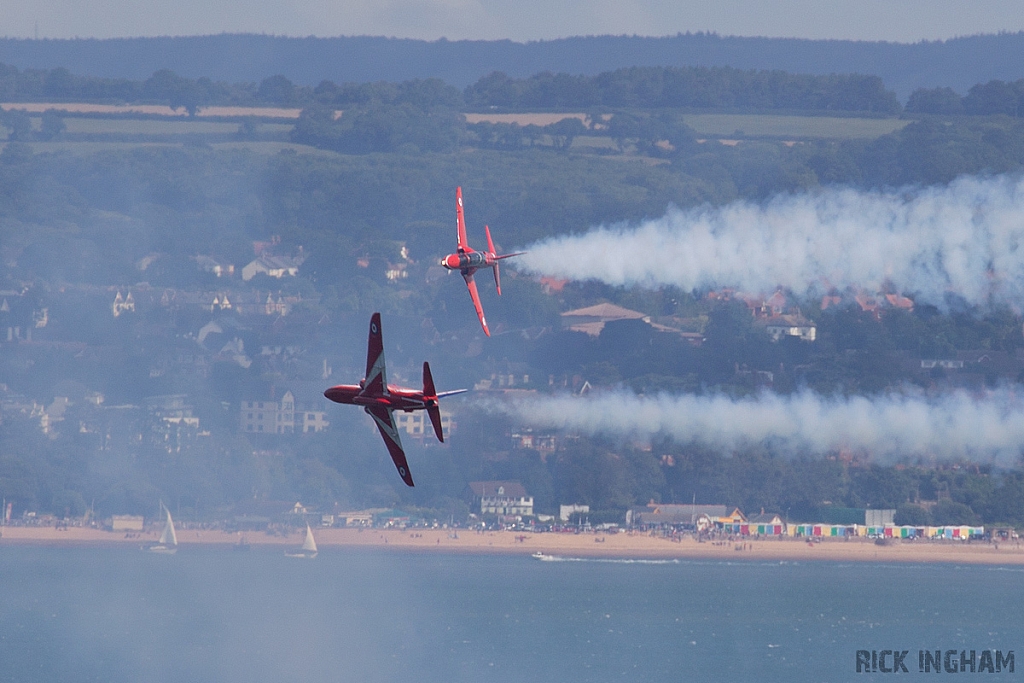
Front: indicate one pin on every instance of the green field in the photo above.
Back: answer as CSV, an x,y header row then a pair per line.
x,y
727,126
585,142
146,127
272,147
162,127
173,132
87,147
775,126
156,132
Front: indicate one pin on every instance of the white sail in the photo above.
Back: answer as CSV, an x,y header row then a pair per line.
x,y
168,537
309,545
308,549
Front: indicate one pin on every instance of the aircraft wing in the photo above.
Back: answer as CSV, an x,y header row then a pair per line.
x,y
385,420
376,383
461,221
475,295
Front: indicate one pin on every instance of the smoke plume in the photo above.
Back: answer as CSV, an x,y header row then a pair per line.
x,y
956,425
966,238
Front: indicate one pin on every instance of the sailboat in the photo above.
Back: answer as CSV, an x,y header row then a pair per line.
x,y
243,543
168,543
308,549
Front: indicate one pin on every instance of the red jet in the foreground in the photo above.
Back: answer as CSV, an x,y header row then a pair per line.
x,y
380,399
469,261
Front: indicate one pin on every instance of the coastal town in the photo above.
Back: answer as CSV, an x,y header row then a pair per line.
x,y
503,523
229,322
180,284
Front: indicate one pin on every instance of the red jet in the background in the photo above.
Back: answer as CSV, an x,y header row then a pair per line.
x,y
380,400
468,261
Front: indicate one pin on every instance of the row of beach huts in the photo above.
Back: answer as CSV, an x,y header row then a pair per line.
x,y
718,519
843,530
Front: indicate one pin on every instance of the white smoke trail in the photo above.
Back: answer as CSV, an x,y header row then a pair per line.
x,y
956,425
966,238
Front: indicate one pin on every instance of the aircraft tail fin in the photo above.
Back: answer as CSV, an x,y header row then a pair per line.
x,y
430,399
497,278
429,392
490,243
460,221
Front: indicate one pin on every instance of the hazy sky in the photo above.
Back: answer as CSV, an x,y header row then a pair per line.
x,y
520,20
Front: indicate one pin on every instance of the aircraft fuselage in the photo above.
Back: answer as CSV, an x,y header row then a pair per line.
x,y
397,398
467,261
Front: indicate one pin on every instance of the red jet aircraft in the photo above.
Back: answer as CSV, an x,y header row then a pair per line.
x,y
469,261
380,399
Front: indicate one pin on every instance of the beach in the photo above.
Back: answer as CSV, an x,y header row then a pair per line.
x,y
610,545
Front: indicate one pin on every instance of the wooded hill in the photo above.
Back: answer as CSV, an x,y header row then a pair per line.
x,y
84,218
957,63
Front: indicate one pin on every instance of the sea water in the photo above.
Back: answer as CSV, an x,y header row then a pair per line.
x,y
211,614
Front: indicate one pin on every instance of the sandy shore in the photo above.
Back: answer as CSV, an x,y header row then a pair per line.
x,y
623,545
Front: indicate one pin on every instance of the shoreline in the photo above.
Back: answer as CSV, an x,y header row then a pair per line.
x,y
624,545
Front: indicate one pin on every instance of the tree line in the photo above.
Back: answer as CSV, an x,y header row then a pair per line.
x,y
640,87
717,88
685,87
984,99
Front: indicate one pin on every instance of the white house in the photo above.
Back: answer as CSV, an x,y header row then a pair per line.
x,y
274,266
780,326
502,497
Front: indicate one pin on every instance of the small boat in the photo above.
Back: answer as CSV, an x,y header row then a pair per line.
x,y
168,543
308,549
242,545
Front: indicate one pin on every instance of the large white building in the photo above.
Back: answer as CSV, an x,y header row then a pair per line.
x,y
502,497
417,423
280,417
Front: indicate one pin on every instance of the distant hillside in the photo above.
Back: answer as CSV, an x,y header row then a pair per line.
x,y
958,63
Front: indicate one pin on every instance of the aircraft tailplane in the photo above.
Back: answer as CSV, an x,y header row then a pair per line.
x,y
435,419
376,381
430,399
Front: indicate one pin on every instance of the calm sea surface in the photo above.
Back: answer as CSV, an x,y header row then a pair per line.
x,y
213,615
